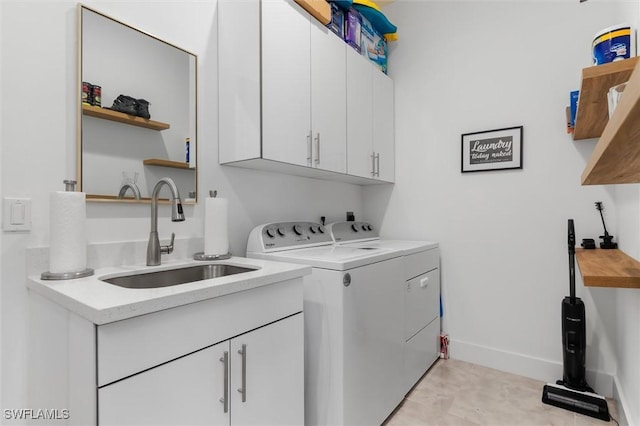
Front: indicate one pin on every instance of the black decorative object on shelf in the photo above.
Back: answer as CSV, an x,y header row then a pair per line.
x,y
131,106
588,243
607,240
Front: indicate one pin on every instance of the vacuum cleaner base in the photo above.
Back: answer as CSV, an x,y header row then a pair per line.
x,y
587,403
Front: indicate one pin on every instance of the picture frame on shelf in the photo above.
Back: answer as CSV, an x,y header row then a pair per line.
x,y
490,150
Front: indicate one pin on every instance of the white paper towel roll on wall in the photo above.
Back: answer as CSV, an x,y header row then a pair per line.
x,y
67,229
216,237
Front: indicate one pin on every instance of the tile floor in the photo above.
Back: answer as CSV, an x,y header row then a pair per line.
x,y
459,393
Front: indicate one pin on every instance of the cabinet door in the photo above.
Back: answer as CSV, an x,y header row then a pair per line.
x,y
328,99
273,376
286,81
359,115
184,391
383,126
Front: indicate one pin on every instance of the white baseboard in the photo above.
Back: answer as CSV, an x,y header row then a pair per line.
x,y
524,365
623,407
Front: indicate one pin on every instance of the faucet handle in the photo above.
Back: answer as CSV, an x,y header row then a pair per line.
x,y
168,249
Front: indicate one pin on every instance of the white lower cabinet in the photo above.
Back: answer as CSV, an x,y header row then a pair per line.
x,y
236,359
254,378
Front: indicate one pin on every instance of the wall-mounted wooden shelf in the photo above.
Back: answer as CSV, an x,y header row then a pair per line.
x,y
166,163
608,268
593,112
616,156
107,114
131,200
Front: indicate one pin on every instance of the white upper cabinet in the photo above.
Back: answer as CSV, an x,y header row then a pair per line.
x,y
286,81
283,94
370,128
360,157
328,100
383,127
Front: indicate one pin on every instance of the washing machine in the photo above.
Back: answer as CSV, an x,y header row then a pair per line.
x,y
354,332
421,292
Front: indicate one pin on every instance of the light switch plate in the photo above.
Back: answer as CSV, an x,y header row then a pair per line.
x,y
16,214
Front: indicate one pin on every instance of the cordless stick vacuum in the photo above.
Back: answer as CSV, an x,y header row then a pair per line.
x,y
572,392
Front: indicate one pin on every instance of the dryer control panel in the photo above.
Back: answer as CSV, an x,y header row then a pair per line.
x,y
287,235
352,231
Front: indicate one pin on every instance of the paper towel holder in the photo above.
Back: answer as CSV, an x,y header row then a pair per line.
x,y
69,186
66,275
201,255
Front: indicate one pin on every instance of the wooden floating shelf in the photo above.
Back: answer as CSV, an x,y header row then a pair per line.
x,y
166,163
107,114
129,199
593,111
608,268
616,156
126,199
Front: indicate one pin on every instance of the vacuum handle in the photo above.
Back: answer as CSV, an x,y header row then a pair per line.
x,y
572,266
571,237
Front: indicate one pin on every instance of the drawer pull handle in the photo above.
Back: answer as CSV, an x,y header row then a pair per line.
x,y
225,398
424,282
243,389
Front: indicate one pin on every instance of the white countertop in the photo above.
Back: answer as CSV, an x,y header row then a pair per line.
x,y
102,303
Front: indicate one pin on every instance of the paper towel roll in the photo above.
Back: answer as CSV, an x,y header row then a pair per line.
x,y
216,237
67,229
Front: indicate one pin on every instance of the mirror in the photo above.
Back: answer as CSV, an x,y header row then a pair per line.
x,y
122,150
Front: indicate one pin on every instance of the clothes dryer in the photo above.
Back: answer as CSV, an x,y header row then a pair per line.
x,y
421,292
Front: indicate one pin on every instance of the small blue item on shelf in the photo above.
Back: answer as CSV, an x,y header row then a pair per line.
x,y
612,44
373,45
352,28
573,105
337,21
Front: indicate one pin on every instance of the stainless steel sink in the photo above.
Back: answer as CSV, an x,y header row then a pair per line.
x,y
177,276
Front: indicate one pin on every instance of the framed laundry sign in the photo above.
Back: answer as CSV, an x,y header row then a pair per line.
x,y
492,150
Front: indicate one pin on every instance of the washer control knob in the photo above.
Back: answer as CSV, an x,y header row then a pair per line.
x,y
364,227
281,231
354,227
270,233
297,229
321,229
369,227
313,229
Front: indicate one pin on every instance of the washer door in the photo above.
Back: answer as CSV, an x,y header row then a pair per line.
x,y
373,342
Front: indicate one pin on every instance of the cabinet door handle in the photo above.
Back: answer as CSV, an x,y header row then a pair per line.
x,y
373,164
317,160
377,164
243,389
424,282
309,148
225,398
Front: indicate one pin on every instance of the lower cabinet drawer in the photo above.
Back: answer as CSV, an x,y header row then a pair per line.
x,y
420,352
421,262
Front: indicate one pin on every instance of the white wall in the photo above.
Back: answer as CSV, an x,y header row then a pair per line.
x,y
468,66
39,72
628,305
